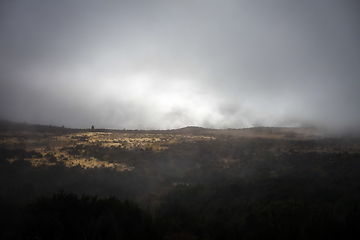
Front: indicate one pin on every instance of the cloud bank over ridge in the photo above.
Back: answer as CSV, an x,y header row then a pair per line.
x,y
169,64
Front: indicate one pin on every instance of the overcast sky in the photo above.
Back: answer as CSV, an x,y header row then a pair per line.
x,y
169,64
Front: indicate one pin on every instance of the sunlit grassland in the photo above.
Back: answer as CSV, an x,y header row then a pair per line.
x,y
48,144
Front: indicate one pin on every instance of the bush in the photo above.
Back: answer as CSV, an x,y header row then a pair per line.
x,y
51,158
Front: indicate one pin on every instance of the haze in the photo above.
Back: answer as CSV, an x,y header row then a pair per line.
x,y
170,64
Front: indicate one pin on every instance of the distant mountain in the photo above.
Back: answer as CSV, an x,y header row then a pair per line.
x,y
189,129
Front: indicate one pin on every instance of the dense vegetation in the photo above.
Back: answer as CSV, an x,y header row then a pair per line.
x,y
65,216
229,188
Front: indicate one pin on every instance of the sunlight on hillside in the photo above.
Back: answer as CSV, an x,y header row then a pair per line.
x,y
54,148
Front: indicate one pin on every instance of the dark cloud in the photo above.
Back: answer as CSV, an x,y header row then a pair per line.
x,y
168,64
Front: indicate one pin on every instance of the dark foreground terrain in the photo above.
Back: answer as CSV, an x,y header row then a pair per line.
x,y
262,183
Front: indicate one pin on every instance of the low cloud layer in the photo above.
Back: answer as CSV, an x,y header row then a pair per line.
x,y
169,64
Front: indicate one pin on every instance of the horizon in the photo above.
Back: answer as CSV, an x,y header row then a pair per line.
x,y
130,129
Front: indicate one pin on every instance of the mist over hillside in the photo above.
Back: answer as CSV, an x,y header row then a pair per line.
x,y
188,183
182,120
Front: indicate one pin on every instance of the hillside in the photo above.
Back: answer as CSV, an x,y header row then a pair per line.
x,y
189,183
